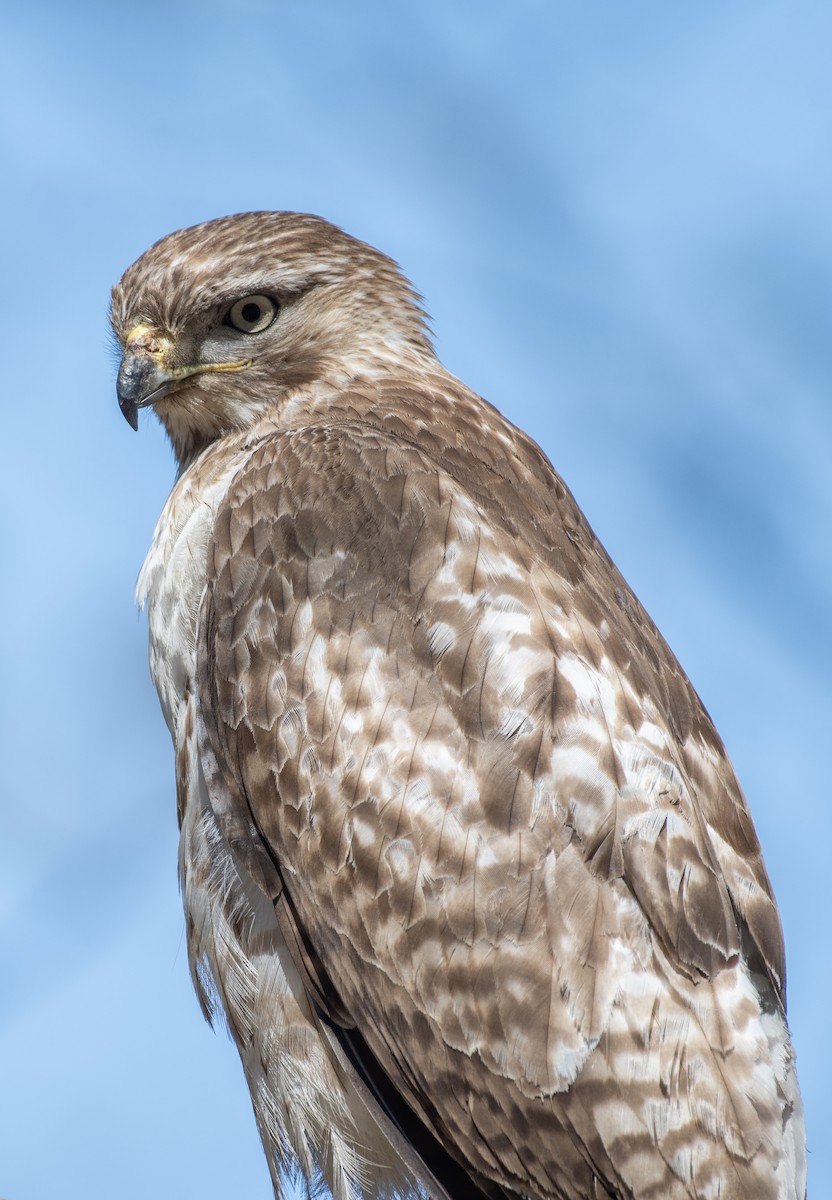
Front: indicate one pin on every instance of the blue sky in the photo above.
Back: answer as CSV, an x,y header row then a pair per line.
x,y
619,216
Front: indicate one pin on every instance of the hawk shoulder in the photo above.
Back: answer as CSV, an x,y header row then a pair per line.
x,y
450,737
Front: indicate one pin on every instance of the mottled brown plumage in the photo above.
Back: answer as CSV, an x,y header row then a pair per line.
x,y
464,862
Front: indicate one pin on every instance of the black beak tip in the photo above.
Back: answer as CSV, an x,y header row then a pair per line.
x,y
130,411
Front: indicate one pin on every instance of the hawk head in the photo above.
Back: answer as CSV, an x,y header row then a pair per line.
x,y
222,320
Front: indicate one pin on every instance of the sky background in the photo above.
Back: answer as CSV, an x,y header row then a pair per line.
x,y
620,215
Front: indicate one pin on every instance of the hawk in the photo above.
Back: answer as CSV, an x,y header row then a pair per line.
x,y
464,863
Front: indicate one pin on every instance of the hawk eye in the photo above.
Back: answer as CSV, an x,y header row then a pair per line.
x,y
251,314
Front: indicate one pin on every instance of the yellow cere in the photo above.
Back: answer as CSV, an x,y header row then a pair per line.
x,y
140,331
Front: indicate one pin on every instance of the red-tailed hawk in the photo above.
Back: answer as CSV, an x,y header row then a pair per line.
x,y
464,862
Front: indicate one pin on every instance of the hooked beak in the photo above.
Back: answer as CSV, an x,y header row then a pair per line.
x,y
141,381
146,374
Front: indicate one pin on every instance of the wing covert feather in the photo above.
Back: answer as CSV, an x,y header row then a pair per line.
x,y
492,800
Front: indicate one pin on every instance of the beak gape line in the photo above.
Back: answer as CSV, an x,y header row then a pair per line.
x,y
142,380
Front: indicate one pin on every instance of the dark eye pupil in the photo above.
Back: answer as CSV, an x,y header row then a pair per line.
x,y
250,313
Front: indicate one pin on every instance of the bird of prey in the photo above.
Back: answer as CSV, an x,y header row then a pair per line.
x,y
464,863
